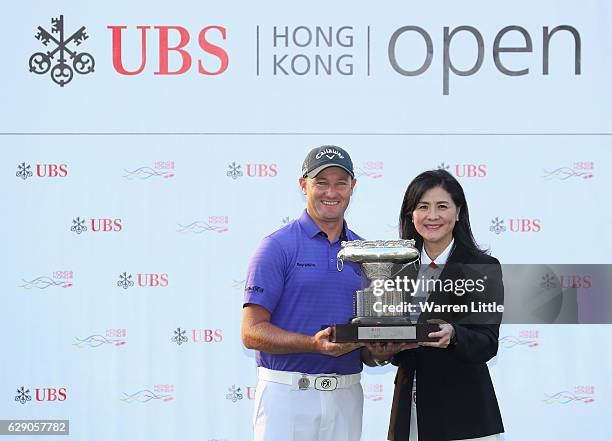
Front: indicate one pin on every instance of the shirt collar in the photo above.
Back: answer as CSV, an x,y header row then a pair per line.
x,y
312,229
441,259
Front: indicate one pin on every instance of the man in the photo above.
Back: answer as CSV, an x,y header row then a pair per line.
x,y
308,387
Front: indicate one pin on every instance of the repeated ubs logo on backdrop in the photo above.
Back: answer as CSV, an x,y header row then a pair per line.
x,y
143,280
515,225
103,225
567,281
465,170
25,171
197,335
251,170
41,394
298,51
236,394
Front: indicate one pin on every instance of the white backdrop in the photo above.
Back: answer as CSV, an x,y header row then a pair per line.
x,y
188,172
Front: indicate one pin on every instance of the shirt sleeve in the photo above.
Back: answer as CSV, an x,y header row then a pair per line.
x,y
265,279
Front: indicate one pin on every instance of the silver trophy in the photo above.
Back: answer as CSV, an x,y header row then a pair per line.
x,y
376,316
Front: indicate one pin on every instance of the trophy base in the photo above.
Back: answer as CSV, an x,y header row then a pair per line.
x,y
382,333
381,321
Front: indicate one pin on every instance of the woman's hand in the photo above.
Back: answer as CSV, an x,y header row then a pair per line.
x,y
445,334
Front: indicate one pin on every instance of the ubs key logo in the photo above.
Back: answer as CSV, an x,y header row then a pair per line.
x,y
252,170
24,171
63,72
49,394
236,394
23,395
104,225
465,170
516,225
207,335
143,280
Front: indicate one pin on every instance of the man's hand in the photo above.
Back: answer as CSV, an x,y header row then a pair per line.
x,y
322,344
445,334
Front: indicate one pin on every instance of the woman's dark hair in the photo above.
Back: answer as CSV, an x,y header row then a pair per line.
x,y
426,181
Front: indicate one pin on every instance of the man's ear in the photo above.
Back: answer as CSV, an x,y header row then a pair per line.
x,y
303,182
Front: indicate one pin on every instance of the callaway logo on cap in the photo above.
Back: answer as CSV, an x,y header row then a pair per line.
x,y
326,156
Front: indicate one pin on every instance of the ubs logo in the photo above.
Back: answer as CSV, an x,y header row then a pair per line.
x,y
65,55
104,225
465,170
252,170
24,171
204,38
49,394
144,280
516,225
203,335
236,394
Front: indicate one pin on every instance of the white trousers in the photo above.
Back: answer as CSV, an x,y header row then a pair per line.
x,y
283,414
414,434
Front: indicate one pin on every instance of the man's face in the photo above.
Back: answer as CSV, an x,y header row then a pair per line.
x,y
328,194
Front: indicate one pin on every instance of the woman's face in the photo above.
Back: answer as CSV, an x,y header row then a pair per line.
x,y
434,216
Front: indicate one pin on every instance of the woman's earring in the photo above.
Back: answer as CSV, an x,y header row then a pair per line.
x,y
457,218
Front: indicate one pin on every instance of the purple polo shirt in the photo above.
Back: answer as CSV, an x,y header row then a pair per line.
x,y
293,275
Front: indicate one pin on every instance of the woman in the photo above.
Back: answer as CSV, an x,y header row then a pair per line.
x,y
456,399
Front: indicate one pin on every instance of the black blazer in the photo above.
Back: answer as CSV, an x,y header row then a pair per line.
x,y
455,395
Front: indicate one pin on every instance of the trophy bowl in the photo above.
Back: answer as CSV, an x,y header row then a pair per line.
x,y
373,321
